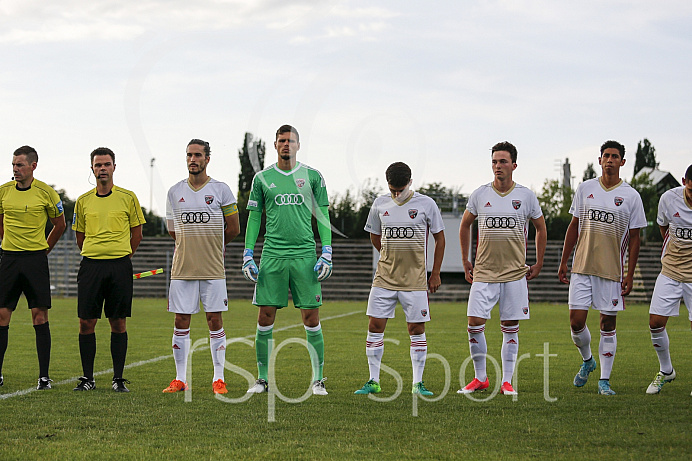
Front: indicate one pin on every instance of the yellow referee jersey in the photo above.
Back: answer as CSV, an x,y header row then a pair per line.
x,y
26,213
106,222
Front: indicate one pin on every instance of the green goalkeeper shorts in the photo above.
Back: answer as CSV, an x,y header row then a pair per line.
x,y
276,276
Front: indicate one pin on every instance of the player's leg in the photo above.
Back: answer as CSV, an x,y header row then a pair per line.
x,y
39,317
381,305
271,293
580,300
5,315
117,307
665,302
10,291
214,298
183,301
514,306
482,298
607,349
307,296
417,310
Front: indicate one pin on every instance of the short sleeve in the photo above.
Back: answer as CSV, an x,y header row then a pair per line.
x,y
136,215
662,215
435,222
373,224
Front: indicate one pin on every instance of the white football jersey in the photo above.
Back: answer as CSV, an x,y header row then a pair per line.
x,y
502,231
404,229
197,217
605,218
675,212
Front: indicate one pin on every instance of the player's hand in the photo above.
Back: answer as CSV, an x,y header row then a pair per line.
x,y
250,269
627,285
468,271
562,273
434,282
533,271
323,268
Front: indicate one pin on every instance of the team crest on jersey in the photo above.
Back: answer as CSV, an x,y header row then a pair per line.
x,y
300,182
516,204
488,205
615,302
424,312
412,213
618,201
208,199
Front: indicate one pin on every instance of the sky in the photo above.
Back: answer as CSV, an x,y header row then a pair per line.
x,y
366,83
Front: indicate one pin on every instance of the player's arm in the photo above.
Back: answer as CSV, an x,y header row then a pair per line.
x,y
664,231
2,226
80,239
633,248
434,281
250,269
232,228
135,238
465,241
56,232
376,240
541,242
570,241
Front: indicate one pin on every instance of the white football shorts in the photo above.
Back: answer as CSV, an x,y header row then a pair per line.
x,y
590,290
184,296
667,294
512,296
382,302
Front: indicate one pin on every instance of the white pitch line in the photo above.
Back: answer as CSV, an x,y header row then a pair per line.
x,y
158,359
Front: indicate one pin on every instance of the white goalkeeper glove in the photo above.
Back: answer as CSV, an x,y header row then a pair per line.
x,y
250,269
323,268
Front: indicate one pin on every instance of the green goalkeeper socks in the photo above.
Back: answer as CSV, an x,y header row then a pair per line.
x,y
316,340
264,334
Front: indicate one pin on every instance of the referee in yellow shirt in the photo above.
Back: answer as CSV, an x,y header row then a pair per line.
x,y
108,225
25,206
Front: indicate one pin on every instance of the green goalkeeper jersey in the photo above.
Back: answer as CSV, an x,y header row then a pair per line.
x,y
289,199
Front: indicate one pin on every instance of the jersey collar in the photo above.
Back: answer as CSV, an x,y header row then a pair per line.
x,y
287,173
504,194
197,189
600,181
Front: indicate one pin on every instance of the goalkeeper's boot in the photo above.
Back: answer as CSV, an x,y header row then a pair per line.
x,y
604,387
175,386
584,371
419,388
475,386
261,386
659,380
119,385
318,387
219,387
371,387
507,389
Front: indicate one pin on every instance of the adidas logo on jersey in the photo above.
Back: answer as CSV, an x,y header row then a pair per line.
x,y
676,215
590,196
488,205
386,213
511,341
181,200
272,185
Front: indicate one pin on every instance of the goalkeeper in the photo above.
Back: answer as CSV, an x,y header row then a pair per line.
x,y
290,193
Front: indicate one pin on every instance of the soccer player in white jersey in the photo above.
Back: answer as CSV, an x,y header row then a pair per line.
x,y
675,280
504,209
290,193
399,223
202,217
607,215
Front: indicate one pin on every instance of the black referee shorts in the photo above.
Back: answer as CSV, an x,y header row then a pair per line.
x,y
24,272
107,284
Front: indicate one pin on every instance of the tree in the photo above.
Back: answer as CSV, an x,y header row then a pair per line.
x,y
251,161
644,185
646,156
555,200
445,197
589,172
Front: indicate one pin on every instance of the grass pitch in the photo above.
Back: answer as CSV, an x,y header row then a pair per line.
x,y
550,418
